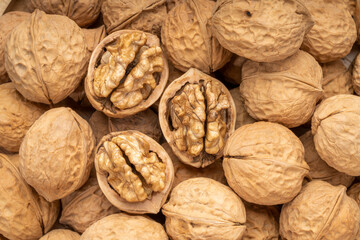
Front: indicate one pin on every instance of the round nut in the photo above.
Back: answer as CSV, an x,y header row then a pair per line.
x,y
124,227
335,140
202,208
285,91
61,234
356,75
133,55
319,170
187,103
56,153
46,66
134,172
24,214
320,211
264,163
263,31
187,37
334,32
242,116
17,116
83,12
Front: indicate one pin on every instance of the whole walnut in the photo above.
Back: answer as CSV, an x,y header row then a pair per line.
x,y
264,163
46,57
242,116
264,30
231,72
83,12
354,193
319,170
61,234
320,211
56,155
202,208
24,215
284,91
8,22
336,140
356,75
122,226
334,32
143,15
17,116
188,40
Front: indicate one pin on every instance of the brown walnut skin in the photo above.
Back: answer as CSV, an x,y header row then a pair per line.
x,y
157,199
320,211
61,234
103,104
193,76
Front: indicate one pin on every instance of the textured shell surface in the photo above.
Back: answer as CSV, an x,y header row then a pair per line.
x,y
61,234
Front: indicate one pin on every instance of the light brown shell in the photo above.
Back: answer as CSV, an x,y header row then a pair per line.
x,y
231,72
242,117
125,227
143,15
17,116
334,127
285,91
157,199
188,40
83,12
192,76
24,215
264,163
334,32
104,105
319,170
202,208
356,75
61,234
56,153
354,193
351,5
320,211
263,31
45,57
7,23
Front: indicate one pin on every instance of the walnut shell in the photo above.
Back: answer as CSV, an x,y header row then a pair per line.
x,y
156,199
334,32
319,170
335,140
104,104
17,116
61,234
196,78
83,12
264,163
188,40
242,117
93,37
202,208
24,215
356,75
263,31
56,153
124,227
8,22
46,66
351,5
354,193
320,211
231,72
285,91
143,15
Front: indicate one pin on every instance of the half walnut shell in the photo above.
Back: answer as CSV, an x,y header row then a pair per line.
x,y
197,115
127,73
134,172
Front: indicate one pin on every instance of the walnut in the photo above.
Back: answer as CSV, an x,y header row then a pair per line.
x,y
56,153
147,16
46,65
263,31
264,163
320,211
186,105
61,234
24,214
231,72
284,91
333,126
129,76
354,193
242,116
356,75
202,208
124,227
319,170
134,171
